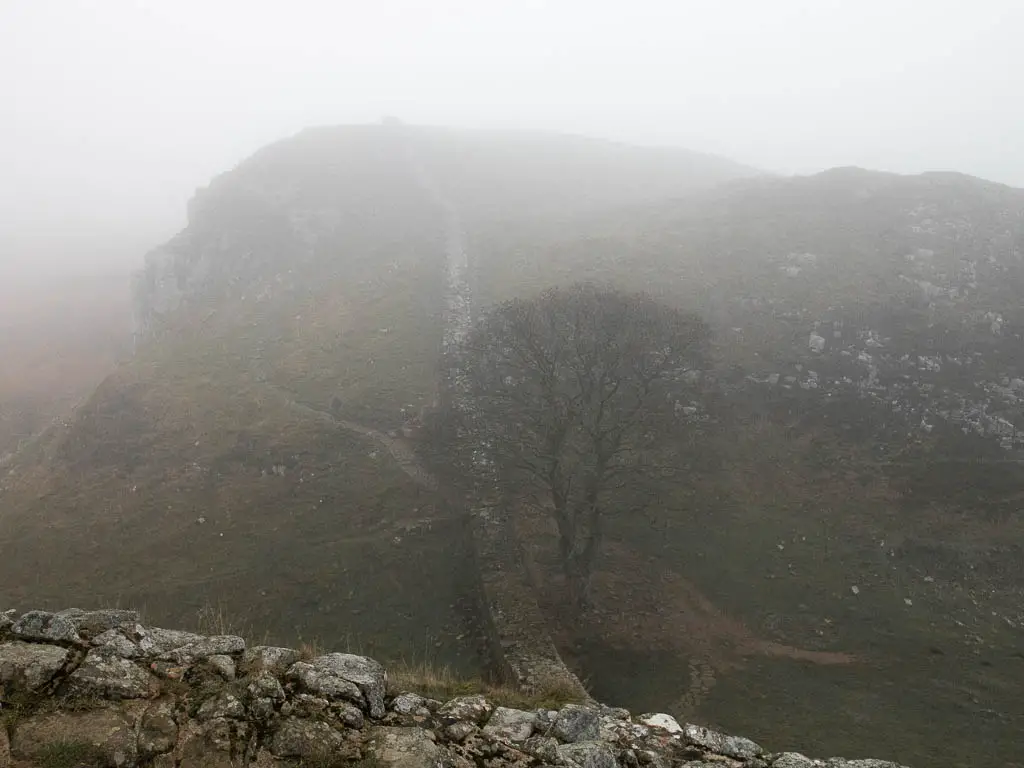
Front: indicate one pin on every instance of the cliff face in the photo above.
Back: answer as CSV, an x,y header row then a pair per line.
x,y
97,689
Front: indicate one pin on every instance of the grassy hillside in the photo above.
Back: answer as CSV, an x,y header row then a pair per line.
x,y
307,293
307,285
59,337
796,492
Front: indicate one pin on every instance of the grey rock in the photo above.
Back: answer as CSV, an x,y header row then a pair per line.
x,y
720,743
407,748
432,705
168,670
92,623
459,731
838,762
7,619
546,718
155,641
575,723
793,760
512,725
261,710
543,747
616,713
26,667
349,716
662,721
295,737
118,643
624,732
43,625
218,743
469,709
268,658
158,732
223,705
407,703
344,676
309,678
203,648
106,675
265,686
587,754
306,705
223,666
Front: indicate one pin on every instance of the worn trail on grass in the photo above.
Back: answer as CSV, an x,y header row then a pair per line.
x,y
673,615
399,450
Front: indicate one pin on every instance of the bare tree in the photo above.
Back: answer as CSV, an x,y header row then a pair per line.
x,y
567,394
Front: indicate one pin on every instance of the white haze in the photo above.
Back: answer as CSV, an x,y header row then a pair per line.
x,y
113,111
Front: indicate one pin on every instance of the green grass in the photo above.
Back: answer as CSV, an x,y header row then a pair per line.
x,y
343,548
935,681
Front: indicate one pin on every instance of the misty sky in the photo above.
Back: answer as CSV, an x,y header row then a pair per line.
x,y
113,111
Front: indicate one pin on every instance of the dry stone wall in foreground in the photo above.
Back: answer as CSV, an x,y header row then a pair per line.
x,y
88,689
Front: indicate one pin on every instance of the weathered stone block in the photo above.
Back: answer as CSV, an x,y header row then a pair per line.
x,y
295,737
575,723
407,748
343,676
43,625
103,674
720,743
512,725
27,667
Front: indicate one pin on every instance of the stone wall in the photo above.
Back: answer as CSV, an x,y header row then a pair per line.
x,y
91,689
516,628
521,645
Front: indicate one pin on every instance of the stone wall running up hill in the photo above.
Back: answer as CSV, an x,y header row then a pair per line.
x,y
96,688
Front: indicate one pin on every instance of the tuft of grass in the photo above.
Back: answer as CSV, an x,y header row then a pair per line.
x,y
310,649
440,682
71,754
426,679
217,620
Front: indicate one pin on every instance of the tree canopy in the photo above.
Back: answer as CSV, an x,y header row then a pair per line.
x,y
567,394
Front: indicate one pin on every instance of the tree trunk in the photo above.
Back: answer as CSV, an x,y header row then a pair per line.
x,y
578,555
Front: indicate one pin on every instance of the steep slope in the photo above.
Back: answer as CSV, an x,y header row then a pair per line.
x,y
238,458
818,271
848,485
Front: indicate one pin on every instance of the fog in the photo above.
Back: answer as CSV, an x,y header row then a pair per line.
x,y
115,111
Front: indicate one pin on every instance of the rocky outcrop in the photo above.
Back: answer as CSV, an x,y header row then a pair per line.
x,y
97,688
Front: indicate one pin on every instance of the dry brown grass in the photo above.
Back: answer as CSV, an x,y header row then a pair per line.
x,y
442,683
310,649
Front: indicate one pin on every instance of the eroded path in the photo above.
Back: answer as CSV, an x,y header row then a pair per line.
x,y
672,614
398,448
660,610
